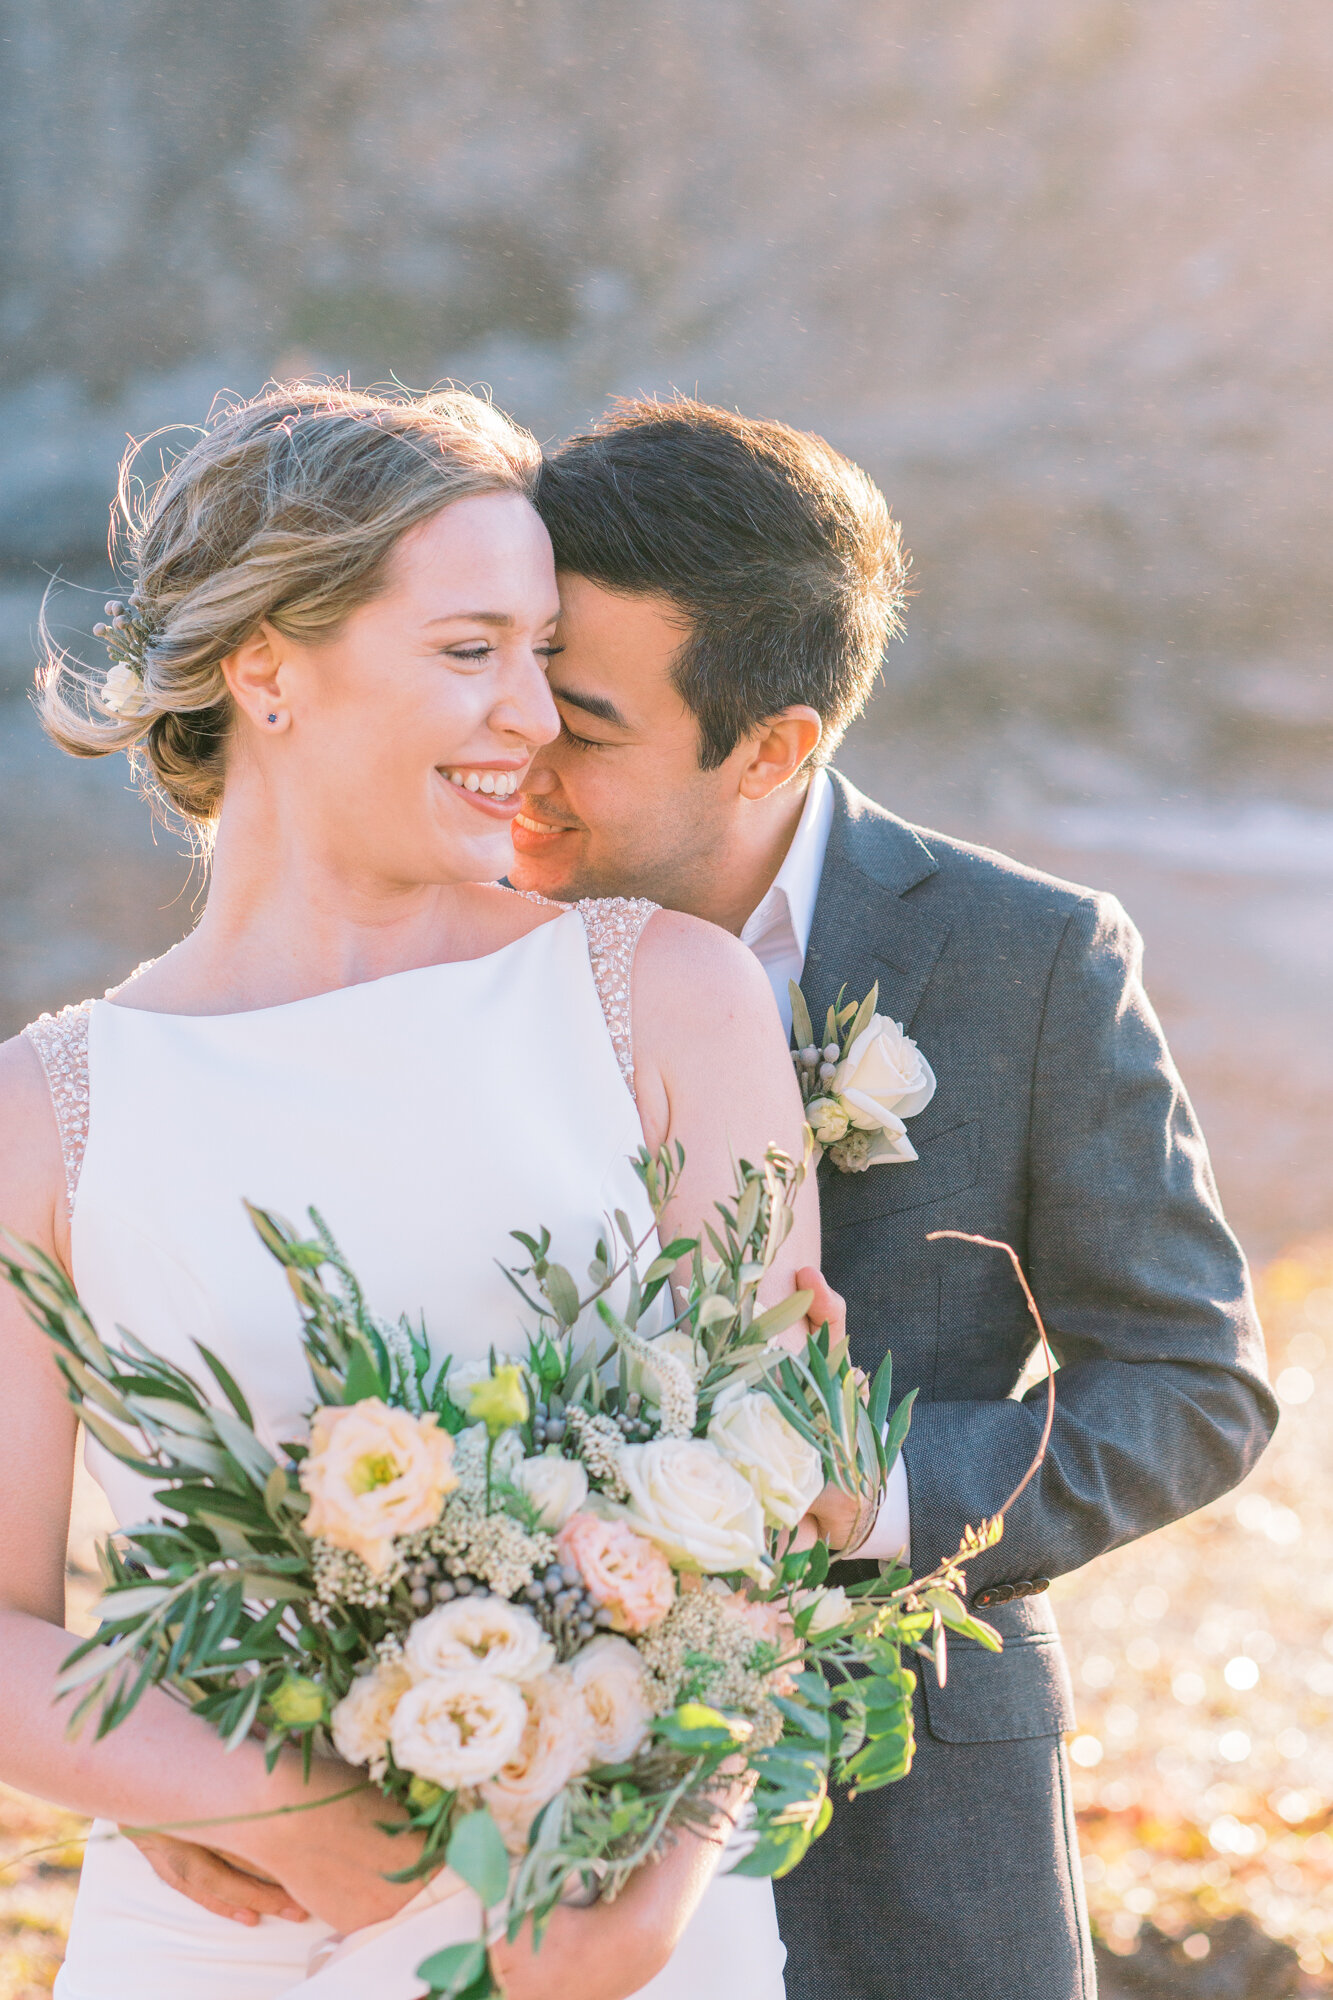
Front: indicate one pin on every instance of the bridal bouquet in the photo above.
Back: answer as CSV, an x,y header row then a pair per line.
x,y
547,1600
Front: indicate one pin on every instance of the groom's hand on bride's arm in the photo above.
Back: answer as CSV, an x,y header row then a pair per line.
x,y
610,1951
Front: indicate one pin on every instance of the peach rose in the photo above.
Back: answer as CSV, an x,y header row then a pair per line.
x,y
373,1474
555,1744
626,1573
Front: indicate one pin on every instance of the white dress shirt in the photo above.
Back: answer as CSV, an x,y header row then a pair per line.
x,y
778,933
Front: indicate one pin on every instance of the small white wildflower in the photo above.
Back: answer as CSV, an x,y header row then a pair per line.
x,y
600,1446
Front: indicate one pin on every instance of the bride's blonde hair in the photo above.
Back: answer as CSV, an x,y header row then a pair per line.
x,y
285,509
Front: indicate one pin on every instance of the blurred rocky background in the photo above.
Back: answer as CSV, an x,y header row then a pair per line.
x,y
1058,276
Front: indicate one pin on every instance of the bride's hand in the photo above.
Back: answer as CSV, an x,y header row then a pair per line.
x,y
214,1882
332,1859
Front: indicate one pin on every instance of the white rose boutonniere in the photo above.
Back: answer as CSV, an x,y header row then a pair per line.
x,y
860,1084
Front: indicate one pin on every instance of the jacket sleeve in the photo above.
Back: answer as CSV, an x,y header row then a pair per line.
x,y
1162,1399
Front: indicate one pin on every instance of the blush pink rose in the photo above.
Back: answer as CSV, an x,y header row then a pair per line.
x,y
624,1572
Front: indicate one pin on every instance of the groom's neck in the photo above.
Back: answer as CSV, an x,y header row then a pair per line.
x,y
726,882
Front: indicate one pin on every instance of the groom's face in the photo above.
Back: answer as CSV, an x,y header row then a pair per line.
x,y
618,804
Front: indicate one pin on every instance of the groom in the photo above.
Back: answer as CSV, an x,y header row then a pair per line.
x,y
728,587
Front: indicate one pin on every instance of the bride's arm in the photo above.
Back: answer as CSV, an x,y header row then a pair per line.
x,y
163,1764
713,1070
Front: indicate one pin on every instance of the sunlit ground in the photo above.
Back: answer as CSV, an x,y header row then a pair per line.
x,y
1203,1662
1203,1659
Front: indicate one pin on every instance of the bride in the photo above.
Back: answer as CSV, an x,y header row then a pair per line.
x,y
333,665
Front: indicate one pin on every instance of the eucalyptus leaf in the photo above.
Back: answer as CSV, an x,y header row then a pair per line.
x,y
477,1852
450,1973
562,1292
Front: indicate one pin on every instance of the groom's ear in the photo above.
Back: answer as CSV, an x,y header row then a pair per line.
x,y
777,750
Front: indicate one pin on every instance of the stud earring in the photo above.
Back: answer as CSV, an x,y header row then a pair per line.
x,y
273,718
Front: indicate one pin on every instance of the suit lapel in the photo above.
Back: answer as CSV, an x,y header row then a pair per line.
x,y
865,928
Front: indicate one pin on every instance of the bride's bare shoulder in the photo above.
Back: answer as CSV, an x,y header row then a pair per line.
x,y
684,963
496,915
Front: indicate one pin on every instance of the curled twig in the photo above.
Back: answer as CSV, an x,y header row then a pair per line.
x,y
993,1243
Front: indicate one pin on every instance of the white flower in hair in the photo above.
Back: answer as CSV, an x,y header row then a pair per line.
x,y
122,692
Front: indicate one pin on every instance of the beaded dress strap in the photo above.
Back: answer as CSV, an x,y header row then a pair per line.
x,y
613,926
61,1042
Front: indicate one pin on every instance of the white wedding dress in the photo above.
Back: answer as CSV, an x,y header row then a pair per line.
x,y
426,1115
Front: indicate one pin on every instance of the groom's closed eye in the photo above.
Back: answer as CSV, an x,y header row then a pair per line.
x,y
580,742
599,706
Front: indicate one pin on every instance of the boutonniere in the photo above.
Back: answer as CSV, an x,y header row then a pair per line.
x,y
860,1083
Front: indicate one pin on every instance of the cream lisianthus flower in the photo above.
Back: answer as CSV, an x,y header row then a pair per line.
x,y
478,1632
555,1744
784,1471
374,1473
608,1674
362,1720
684,1496
458,1728
883,1079
557,1488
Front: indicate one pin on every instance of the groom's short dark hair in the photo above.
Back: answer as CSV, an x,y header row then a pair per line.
x,y
781,554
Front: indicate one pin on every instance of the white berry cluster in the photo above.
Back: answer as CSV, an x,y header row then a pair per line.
x,y
342,1578
703,1651
493,1547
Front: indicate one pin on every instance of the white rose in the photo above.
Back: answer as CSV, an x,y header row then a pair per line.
x,y
828,1119
480,1631
608,1673
783,1470
684,1496
362,1720
458,1729
555,1744
557,1488
882,1079
832,1608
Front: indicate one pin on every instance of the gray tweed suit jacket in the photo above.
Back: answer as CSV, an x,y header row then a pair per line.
x,y
1061,1126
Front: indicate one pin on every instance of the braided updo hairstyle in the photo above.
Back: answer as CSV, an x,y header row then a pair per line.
x,y
285,509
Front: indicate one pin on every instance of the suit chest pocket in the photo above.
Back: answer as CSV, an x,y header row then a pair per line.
x,y
947,1164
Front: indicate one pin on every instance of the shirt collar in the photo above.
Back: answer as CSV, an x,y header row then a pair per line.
x,y
795,888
